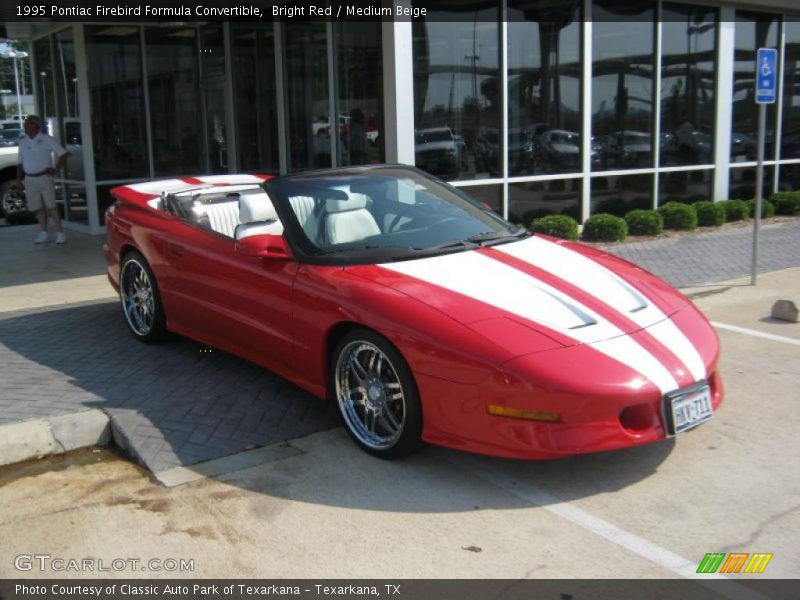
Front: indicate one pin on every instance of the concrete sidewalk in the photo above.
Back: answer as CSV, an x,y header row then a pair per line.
x,y
73,376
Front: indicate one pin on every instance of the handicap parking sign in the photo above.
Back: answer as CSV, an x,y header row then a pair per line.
x,y
766,75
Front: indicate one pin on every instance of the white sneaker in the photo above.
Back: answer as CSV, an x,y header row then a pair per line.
x,y
61,238
42,238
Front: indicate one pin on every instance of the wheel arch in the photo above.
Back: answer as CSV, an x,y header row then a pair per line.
x,y
126,249
8,174
335,334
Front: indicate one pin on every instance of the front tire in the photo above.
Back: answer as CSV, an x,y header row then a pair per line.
x,y
140,299
377,395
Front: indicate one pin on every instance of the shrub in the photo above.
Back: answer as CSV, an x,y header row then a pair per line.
x,y
767,208
560,226
709,214
644,222
786,203
735,210
678,216
604,228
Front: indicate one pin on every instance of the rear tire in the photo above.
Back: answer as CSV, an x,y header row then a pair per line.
x,y
377,395
140,299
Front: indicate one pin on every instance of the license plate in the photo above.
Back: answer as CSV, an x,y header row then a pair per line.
x,y
690,408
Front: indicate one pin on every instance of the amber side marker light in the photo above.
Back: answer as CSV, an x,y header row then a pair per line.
x,y
522,413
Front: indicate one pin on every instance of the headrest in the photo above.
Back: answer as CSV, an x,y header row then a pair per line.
x,y
353,203
254,208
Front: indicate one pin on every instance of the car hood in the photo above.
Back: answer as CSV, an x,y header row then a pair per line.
x,y
514,294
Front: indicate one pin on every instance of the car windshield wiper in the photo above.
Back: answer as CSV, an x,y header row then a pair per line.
x,y
495,236
370,248
479,239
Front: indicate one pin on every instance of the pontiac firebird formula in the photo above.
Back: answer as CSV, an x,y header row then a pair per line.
x,y
421,312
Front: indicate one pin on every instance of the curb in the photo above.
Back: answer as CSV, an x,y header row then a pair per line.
x,y
53,435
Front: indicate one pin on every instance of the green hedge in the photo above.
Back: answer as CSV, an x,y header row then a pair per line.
x,y
644,222
560,226
678,216
767,208
735,210
786,203
709,214
604,228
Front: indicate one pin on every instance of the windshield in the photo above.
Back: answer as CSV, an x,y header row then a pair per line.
x,y
10,134
381,214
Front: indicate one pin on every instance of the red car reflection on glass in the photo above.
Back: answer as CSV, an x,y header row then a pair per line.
x,y
421,312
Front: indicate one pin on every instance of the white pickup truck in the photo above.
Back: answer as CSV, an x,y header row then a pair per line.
x,y
9,200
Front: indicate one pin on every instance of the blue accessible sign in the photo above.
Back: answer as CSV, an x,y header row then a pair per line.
x,y
766,75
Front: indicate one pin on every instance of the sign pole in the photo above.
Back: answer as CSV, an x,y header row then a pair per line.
x,y
762,126
766,90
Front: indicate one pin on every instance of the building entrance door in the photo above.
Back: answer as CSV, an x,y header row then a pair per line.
x,y
215,131
213,74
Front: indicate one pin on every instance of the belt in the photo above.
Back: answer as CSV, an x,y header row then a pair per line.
x,y
39,174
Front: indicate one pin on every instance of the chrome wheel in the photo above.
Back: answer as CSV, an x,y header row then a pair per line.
x,y
12,200
138,297
371,395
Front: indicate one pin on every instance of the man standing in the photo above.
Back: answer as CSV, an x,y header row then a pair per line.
x,y
36,163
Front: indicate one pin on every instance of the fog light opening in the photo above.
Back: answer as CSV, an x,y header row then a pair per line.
x,y
637,418
522,413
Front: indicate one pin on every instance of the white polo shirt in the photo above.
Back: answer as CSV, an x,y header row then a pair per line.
x,y
35,154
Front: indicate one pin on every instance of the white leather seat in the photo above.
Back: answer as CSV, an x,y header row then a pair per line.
x,y
257,215
303,207
349,220
223,217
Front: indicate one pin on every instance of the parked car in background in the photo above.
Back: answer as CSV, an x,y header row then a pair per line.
x,y
419,311
10,199
626,149
10,137
440,151
559,150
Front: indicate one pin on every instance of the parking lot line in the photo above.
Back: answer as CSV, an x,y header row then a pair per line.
x,y
756,333
614,534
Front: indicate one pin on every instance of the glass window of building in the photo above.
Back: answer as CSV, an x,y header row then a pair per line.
x,y
116,92
308,102
175,115
619,195
753,31
457,93
789,178
536,199
790,136
45,80
544,88
359,87
212,52
743,182
490,195
67,127
684,186
255,98
623,39
688,67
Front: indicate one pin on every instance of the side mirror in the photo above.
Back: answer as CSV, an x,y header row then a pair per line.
x,y
267,245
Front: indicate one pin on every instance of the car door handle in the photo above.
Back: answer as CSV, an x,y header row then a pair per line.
x,y
175,249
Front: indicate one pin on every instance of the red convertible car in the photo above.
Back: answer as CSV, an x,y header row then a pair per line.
x,y
423,314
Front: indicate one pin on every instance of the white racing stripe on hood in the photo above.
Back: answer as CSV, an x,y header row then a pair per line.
x,y
611,290
490,281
